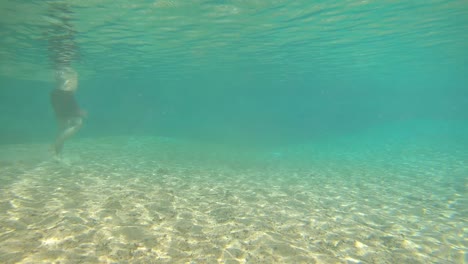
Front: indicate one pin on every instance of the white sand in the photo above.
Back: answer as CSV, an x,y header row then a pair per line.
x,y
159,202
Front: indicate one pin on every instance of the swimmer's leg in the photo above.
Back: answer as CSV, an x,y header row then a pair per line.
x,y
69,128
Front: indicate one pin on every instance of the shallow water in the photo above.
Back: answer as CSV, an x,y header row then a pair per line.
x,y
237,132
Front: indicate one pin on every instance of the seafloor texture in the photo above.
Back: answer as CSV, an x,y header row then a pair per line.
x,y
127,200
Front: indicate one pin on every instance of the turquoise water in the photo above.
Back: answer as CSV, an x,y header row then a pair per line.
x,y
240,70
336,118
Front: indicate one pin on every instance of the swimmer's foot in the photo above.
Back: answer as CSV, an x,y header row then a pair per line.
x,y
56,148
59,159
55,156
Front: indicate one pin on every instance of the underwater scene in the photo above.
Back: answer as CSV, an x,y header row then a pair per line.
x,y
234,131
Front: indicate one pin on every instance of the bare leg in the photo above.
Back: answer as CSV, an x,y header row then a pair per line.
x,y
69,128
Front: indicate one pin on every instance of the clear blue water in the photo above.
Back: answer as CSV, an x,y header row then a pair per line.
x,y
272,71
376,88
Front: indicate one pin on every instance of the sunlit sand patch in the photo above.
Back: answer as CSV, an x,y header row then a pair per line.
x,y
51,242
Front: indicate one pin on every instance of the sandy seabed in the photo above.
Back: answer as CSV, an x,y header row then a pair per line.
x,y
154,201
